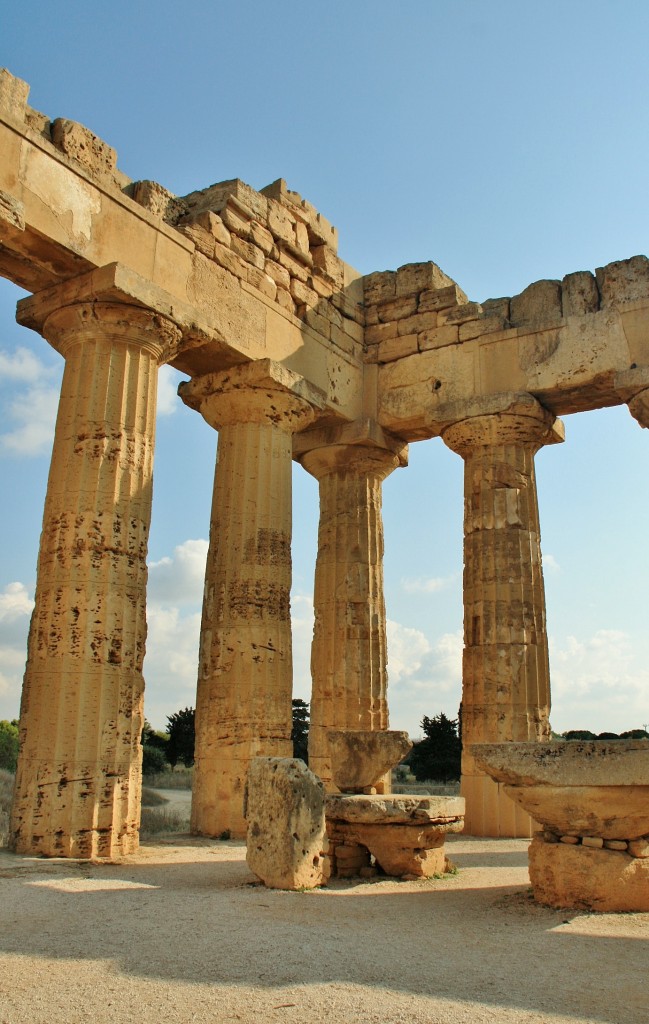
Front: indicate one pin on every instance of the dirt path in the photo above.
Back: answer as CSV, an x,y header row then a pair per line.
x,y
182,934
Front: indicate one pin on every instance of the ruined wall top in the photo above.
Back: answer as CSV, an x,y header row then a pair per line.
x,y
249,275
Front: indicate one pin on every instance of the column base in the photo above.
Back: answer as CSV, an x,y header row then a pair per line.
x,y
490,812
75,811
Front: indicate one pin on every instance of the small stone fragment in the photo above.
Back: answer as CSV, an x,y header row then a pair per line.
x,y
639,847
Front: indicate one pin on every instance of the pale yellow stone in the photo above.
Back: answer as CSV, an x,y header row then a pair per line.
x,y
79,771
348,660
359,759
217,267
243,704
506,682
580,878
284,809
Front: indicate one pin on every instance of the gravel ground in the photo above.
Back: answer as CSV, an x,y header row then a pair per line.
x,y
182,933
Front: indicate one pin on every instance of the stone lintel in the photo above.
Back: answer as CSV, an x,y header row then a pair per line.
x,y
504,418
365,432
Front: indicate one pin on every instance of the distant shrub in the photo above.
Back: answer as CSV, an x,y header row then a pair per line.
x,y
153,760
8,745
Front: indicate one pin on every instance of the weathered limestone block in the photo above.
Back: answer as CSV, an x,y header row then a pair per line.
x,y
539,303
12,211
579,294
243,706
379,287
608,812
79,143
78,780
13,95
441,298
397,348
394,808
497,307
397,309
320,230
580,877
284,808
349,656
623,281
157,199
360,759
418,277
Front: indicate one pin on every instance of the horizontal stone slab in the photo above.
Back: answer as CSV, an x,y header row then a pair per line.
x,y
568,763
393,808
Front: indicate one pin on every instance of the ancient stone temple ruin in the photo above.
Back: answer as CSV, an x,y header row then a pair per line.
x,y
290,355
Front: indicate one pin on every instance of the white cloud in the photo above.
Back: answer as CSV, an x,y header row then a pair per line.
x,y
432,585
22,365
168,400
600,682
179,580
34,413
302,621
550,564
424,675
15,610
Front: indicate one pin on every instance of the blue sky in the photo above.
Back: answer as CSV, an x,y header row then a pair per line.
x,y
506,141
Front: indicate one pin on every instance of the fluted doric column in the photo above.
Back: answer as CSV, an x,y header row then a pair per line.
x,y
79,772
243,705
506,680
349,657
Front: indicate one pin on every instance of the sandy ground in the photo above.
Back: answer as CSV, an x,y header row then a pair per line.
x,y
182,933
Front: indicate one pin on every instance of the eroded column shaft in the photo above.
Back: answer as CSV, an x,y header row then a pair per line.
x,y
349,657
506,682
243,707
79,772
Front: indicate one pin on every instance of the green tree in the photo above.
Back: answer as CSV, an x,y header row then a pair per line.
x,y
635,734
8,745
182,736
579,734
439,755
300,730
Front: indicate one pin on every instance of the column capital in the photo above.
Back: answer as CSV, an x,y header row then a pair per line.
x,y
361,459
262,391
115,322
639,407
508,418
109,301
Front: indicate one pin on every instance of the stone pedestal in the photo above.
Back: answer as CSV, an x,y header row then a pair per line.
x,y
405,834
506,685
79,772
349,658
592,799
243,706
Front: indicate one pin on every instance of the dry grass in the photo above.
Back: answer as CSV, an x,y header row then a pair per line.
x,y
152,799
178,778
154,821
